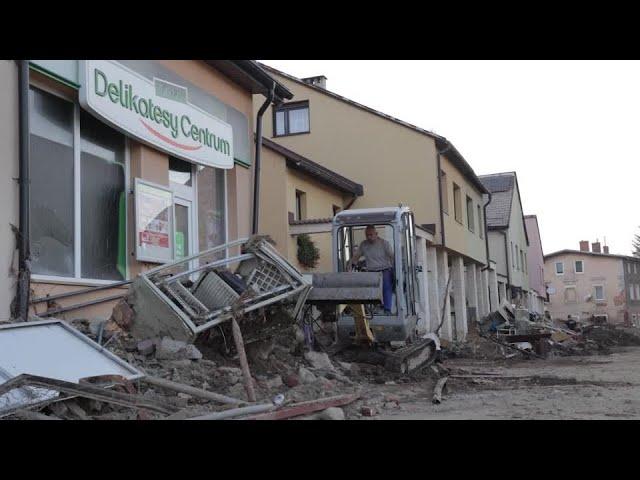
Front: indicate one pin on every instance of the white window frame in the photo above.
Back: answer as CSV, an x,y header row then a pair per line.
x,y
555,268
604,293
632,292
77,279
637,286
575,270
564,295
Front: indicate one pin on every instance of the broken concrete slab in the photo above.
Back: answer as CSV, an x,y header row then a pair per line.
x,y
319,360
146,347
306,376
123,315
168,349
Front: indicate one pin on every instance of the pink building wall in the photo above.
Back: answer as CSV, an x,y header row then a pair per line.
x,y
535,258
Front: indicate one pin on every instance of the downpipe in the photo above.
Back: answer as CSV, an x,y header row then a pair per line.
x,y
256,171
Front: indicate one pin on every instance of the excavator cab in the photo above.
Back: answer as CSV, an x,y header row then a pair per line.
x,y
395,225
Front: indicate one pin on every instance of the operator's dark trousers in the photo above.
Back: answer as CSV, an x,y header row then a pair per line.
x,y
387,288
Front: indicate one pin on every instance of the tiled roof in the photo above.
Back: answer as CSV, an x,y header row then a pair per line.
x,y
499,210
310,221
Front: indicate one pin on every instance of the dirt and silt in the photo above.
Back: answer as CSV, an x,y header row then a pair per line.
x,y
484,380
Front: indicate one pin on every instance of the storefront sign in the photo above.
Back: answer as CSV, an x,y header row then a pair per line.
x,y
157,113
154,222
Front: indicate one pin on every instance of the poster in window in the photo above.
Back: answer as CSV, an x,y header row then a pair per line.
x,y
154,222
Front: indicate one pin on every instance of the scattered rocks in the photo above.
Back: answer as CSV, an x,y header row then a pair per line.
x,y
291,380
168,349
238,391
319,360
146,347
306,376
368,411
333,413
123,315
274,382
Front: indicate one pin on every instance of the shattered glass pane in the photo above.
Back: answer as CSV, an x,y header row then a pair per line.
x,y
103,200
51,192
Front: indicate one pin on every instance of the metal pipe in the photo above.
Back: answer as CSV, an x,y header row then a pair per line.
x,y
48,313
256,167
24,255
79,292
236,412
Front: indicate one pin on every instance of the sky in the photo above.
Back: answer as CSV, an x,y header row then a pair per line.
x,y
569,129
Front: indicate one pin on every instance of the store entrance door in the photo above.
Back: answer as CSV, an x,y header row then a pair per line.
x,y
182,182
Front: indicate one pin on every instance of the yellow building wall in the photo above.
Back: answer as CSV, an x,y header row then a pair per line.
x,y
394,163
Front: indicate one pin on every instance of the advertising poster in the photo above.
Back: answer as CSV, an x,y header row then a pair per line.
x,y
154,222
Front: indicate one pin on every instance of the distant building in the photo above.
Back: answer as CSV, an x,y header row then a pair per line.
x,y
590,283
508,240
535,265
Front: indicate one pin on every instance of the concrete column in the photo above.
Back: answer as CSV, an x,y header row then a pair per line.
x,y
433,289
459,296
483,291
493,289
424,312
472,289
446,331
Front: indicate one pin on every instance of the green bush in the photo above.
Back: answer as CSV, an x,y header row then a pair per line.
x,y
308,253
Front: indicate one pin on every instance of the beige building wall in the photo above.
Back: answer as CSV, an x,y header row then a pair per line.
x,y
597,271
278,197
394,163
498,254
9,187
458,236
517,235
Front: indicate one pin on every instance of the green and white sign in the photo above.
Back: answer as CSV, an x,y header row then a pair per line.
x,y
157,113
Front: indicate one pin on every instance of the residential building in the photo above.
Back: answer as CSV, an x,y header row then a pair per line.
x,y
132,163
591,283
299,196
397,162
535,265
508,239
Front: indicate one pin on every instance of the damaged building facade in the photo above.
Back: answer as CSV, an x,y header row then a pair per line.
x,y
132,164
535,266
396,163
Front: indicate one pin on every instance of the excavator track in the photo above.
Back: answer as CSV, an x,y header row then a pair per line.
x,y
411,357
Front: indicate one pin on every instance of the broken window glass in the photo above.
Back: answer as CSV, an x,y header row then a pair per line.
x,y
103,200
51,191
211,221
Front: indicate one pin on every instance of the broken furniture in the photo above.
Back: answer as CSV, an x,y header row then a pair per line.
x,y
185,298
51,349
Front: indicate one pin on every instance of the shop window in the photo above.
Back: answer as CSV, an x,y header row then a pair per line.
x,y
102,178
180,172
211,211
97,160
457,203
470,222
579,266
445,192
52,189
291,118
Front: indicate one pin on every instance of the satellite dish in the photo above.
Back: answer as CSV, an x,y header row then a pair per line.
x,y
551,290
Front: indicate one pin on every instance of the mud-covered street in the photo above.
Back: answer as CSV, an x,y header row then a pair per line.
x,y
592,387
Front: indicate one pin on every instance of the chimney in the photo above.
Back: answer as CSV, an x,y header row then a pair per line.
x,y
319,81
595,247
584,245
606,249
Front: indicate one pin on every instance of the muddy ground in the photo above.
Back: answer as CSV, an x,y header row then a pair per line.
x,y
578,387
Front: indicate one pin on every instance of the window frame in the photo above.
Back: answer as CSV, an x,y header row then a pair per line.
x,y
286,108
300,206
555,269
575,270
604,294
77,278
470,214
575,292
458,203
